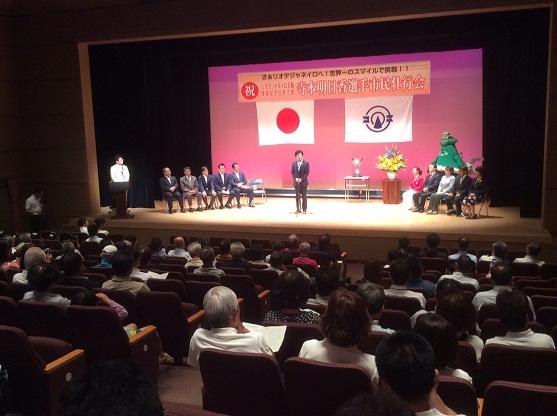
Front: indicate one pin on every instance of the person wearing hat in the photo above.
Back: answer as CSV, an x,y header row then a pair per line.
x,y
106,257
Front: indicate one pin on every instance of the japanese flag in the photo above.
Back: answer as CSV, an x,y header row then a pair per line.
x,y
378,120
285,122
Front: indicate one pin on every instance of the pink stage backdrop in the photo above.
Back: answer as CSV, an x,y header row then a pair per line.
x,y
454,104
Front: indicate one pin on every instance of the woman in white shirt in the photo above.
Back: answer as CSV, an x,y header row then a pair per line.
x,y
444,191
443,339
345,324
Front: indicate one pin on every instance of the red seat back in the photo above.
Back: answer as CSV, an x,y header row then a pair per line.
x,y
294,337
44,319
394,319
458,394
518,399
408,305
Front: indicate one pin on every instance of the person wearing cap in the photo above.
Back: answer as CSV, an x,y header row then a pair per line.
x,y
106,257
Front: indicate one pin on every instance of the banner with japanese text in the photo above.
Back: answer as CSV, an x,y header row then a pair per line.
x,y
384,80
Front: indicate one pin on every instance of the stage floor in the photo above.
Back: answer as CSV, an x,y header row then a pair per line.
x,y
348,220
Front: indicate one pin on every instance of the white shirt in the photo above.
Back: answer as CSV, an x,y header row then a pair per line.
x,y
94,239
490,296
20,277
485,257
318,300
529,259
147,275
33,205
46,297
456,372
227,339
432,412
327,352
477,343
461,278
119,173
461,253
446,185
83,229
402,292
179,252
375,327
527,338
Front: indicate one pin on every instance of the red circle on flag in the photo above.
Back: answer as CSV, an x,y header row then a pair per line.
x,y
288,120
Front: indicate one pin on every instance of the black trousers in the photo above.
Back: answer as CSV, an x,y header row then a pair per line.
x,y
35,223
420,198
436,199
456,201
170,196
235,193
301,190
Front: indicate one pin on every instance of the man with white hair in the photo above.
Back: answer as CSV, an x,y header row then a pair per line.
x,y
226,332
237,251
33,256
303,258
179,249
193,250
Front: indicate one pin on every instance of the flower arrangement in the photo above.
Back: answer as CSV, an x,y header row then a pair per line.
x,y
392,160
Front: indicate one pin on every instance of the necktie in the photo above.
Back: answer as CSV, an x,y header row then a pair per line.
x,y
122,172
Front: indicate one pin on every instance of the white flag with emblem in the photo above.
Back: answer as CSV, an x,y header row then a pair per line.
x,y
378,119
282,122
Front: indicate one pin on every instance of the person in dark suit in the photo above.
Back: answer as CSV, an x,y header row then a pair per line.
x,y
170,189
431,184
220,183
206,188
238,184
462,186
300,172
190,188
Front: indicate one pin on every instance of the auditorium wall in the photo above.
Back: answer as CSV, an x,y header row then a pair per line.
x,y
49,143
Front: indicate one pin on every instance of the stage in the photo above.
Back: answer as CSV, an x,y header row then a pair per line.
x,y
366,229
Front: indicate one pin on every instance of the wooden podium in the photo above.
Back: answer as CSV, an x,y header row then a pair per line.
x,y
120,192
391,191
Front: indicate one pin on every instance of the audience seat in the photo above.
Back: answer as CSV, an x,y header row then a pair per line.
x,y
168,285
458,394
125,298
181,261
195,291
256,304
525,365
45,319
540,301
99,332
100,278
483,267
10,273
89,247
434,264
487,311
202,277
547,316
519,399
493,327
525,269
175,321
232,270
8,312
242,384
543,291
370,343
36,385
408,305
548,270
19,289
5,289
317,388
394,319
294,337
264,278
67,291
521,283
466,359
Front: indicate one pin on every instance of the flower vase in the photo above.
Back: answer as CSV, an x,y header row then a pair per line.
x,y
392,175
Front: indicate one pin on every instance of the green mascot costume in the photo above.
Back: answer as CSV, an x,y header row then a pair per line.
x,y
448,155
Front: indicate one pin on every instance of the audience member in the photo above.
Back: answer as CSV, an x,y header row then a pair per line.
x,y
378,402
107,253
463,244
89,298
112,388
374,296
257,254
465,272
156,247
226,331
291,249
102,232
406,366
122,266
326,282
372,271
93,230
6,262
416,281
275,262
237,251
459,311
224,251
499,251
290,293
33,256
207,256
345,324
442,337
179,249
82,224
303,257
277,248
400,273
432,250
443,288
42,277
512,308
193,250
72,264
533,251
66,248
141,260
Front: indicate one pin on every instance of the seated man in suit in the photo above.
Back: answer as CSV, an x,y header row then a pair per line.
x,y
170,189
238,184
220,183
462,185
189,186
431,184
205,182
